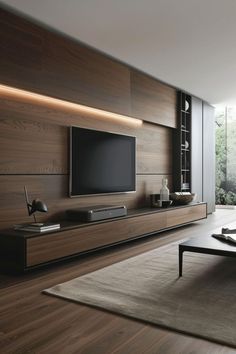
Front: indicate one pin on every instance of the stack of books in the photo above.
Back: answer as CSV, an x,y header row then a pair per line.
x,y
37,227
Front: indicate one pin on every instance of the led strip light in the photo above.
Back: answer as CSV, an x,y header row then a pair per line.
x,y
58,103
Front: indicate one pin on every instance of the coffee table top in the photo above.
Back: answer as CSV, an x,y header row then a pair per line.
x,y
208,244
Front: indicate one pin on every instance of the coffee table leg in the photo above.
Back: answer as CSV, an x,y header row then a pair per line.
x,y
180,260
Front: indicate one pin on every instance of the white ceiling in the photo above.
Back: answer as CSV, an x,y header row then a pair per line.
x,y
190,44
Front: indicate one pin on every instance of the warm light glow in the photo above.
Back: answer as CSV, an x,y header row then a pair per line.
x,y
58,103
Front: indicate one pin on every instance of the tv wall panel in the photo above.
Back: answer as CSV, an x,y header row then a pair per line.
x,y
34,136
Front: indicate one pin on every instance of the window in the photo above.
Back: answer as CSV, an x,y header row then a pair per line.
x,y
225,120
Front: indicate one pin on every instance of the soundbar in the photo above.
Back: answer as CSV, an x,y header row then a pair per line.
x,y
96,213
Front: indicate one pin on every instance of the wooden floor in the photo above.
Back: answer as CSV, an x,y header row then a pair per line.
x,y
31,322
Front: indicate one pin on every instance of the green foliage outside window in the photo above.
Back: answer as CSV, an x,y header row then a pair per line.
x,y
225,156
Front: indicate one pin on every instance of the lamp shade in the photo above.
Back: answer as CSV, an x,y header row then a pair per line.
x,y
37,205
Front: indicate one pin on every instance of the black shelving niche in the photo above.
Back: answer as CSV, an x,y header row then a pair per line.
x,y
182,145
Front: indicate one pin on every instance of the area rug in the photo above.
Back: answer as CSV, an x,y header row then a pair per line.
x,y
147,287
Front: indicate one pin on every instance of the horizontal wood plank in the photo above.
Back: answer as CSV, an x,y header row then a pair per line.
x,y
50,247
186,215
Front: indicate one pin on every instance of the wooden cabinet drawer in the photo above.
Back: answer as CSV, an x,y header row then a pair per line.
x,y
48,247
185,215
21,251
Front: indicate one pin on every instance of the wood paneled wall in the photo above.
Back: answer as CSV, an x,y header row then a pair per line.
x,y
45,62
41,61
152,100
34,137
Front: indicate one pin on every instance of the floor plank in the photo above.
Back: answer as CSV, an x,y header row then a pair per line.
x,y
31,322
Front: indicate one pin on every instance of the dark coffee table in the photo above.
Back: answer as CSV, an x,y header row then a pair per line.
x,y
207,245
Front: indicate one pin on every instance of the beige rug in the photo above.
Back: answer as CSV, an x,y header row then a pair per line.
x,y
147,287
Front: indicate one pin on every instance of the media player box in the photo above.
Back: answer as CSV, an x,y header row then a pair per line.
x,y
96,213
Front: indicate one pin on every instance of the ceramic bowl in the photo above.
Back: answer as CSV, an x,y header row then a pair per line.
x,y
182,199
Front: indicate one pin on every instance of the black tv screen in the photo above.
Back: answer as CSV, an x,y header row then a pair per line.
x,y
101,162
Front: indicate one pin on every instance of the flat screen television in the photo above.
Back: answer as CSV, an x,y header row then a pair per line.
x,y
101,162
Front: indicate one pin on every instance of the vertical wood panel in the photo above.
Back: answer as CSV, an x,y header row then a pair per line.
x,y
154,149
152,100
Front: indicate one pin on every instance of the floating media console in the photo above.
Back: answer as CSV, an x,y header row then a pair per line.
x,y
23,251
96,213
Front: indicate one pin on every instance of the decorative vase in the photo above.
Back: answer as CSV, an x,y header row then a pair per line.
x,y
164,192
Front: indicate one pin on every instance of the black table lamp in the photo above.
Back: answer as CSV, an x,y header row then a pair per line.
x,y
35,205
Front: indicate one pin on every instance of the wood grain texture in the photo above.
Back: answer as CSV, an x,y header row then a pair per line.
x,y
80,74
54,246
53,190
34,135
34,139
29,130
185,215
152,100
22,48
154,149
45,62
35,323
32,147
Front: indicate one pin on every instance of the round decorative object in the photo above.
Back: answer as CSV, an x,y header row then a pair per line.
x,y
186,105
186,144
182,199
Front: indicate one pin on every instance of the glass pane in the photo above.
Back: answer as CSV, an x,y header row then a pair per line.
x,y
225,120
